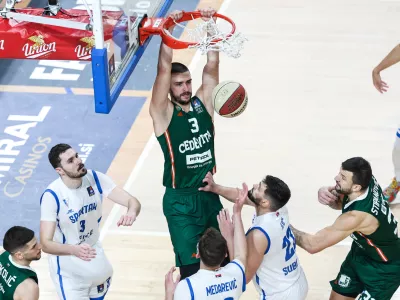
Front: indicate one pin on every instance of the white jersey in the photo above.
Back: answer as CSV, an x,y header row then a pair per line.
x,y
280,268
228,282
77,213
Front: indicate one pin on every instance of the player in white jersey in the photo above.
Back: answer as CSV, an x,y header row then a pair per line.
x,y
71,211
392,58
212,282
272,262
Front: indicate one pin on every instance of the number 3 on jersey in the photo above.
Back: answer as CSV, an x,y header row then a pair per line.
x,y
289,242
195,125
82,223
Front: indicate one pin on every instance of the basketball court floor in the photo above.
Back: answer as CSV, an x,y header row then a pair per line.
x,y
307,70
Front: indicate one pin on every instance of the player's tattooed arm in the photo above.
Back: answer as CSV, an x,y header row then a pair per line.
x,y
344,225
302,238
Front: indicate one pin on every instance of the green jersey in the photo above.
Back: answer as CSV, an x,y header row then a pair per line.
x,y
384,243
12,275
188,146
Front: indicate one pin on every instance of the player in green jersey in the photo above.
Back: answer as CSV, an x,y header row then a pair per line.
x,y
183,125
372,267
18,281
392,58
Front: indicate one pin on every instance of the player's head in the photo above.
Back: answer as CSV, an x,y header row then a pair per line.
x,y
271,193
354,176
212,248
66,161
181,84
21,243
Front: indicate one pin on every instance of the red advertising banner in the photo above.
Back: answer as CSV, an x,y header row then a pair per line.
x,y
27,40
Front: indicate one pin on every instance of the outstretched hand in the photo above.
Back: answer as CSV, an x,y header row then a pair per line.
x,y
379,84
170,284
241,199
209,181
225,224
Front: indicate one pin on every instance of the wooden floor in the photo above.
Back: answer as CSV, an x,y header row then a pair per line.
x,y
307,70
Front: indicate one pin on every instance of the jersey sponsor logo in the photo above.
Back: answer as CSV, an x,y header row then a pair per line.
x,y
90,191
366,295
1,44
195,143
222,287
84,210
8,279
198,158
344,280
197,106
290,268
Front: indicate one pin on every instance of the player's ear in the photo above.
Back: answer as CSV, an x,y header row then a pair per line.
x,y
60,171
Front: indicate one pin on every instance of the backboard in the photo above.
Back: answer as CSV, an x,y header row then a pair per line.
x,y
114,60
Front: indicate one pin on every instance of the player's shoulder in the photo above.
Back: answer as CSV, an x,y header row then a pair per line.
x,y
28,287
235,266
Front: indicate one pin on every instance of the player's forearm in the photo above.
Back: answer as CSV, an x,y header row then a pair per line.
x,y
55,248
134,206
239,239
304,240
229,193
164,59
392,58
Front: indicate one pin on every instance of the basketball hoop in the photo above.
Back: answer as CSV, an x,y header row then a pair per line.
x,y
205,36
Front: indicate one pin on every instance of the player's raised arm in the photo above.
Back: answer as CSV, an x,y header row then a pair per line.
x,y
210,78
27,290
239,238
344,225
159,100
228,193
392,58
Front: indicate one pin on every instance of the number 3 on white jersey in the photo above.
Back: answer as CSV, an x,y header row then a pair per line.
x,y
195,125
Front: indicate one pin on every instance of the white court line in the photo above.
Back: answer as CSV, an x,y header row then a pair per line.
x,y
132,177
142,233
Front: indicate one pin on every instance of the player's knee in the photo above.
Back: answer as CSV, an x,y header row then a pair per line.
x,y
189,270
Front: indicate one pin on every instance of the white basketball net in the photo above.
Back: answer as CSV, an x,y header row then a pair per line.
x,y
206,32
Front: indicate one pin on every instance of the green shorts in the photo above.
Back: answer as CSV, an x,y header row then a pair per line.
x,y
359,274
189,213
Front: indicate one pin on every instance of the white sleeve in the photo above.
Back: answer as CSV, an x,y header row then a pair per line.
x,y
48,207
182,291
106,183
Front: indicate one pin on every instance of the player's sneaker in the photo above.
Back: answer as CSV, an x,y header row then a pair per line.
x,y
391,191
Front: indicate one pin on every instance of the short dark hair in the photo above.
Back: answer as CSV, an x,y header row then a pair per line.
x,y
177,68
16,238
277,192
361,169
212,247
55,152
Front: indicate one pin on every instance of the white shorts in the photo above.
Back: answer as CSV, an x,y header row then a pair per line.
x,y
76,279
298,291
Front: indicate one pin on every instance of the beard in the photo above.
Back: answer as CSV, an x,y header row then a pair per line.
x,y
341,190
78,174
253,199
178,98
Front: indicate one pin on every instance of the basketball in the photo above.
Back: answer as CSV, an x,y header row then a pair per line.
x,y
229,98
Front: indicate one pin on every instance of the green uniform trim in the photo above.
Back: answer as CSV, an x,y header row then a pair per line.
x,y
12,275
